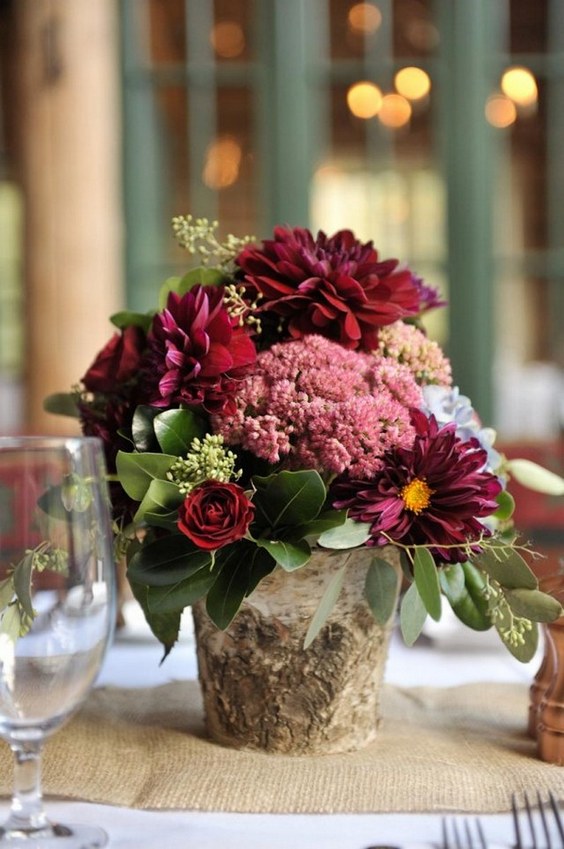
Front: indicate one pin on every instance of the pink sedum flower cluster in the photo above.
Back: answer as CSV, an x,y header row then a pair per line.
x,y
311,403
405,343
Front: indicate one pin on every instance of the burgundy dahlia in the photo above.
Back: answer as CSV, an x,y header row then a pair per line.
x,y
196,353
334,286
117,362
434,493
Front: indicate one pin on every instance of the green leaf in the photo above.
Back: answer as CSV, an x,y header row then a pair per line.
x,y
260,562
289,555
142,429
348,535
228,592
325,521
451,579
165,626
176,429
470,605
6,592
535,477
524,651
136,471
181,285
506,506
167,561
507,567
288,498
11,622
427,582
162,500
22,576
381,589
412,615
326,605
128,318
534,605
62,404
177,596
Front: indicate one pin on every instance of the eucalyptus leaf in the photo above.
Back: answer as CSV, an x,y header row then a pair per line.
x,y
348,535
412,615
288,498
470,605
506,506
507,567
289,555
451,579
326,605
6,592
11,623
534,604
535,477
523,651
22,576
427,582
62,404
381,589
128,318
167,561
136,471
176,429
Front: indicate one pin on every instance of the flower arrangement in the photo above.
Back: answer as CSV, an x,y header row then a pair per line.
x,y
283,397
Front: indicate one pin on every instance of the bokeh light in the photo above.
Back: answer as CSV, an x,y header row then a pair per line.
x,y
364,18
223,161
364,99
519,84
413,83
395,111
228,39
500,111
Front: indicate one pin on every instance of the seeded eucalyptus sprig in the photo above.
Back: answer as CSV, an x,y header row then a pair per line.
x,y
197,236
16,609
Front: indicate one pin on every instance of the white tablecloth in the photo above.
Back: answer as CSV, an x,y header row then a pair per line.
x,y
133,661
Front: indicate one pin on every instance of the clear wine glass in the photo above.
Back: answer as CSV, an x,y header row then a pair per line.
x,y
57,611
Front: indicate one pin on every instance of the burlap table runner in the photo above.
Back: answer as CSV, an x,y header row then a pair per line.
x,y
462,748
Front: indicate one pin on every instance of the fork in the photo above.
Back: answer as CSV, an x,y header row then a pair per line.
x,y
545,820
462,838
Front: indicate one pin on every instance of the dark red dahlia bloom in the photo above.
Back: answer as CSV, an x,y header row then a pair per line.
x,y
196,353
429,296
336,286
117,362
434,493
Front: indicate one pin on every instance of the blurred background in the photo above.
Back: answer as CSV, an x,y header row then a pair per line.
x,y
433,127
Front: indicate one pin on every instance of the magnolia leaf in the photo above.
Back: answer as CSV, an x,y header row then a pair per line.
x,y
524,651
165,626
326,605
22,576
136,471
142,429
288,498
507,567
176,429
289,555
62,404
261,564
535,477
325,521
412,615
381,589
167,561
128,318
470,605
11,622
451,579
6,592
427,582
163,498
506,506
534,604
228,592
348,535
182,594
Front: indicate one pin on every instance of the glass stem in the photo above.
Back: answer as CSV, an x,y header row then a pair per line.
x,y
26,813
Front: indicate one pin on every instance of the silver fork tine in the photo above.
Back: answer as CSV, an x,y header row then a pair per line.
x,y
465,841
529,811
557,817
544,820
516,824
521,840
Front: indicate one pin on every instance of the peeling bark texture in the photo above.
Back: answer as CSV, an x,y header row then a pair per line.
x,y
263,691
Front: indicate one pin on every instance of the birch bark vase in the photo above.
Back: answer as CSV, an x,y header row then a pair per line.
x,y
263,691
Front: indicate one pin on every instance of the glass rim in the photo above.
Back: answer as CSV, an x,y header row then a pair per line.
x,y
72,443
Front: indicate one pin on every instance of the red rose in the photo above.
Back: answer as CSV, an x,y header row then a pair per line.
x,y
117,362
215,514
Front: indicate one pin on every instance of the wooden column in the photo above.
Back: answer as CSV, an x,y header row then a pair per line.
x,y
70,169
